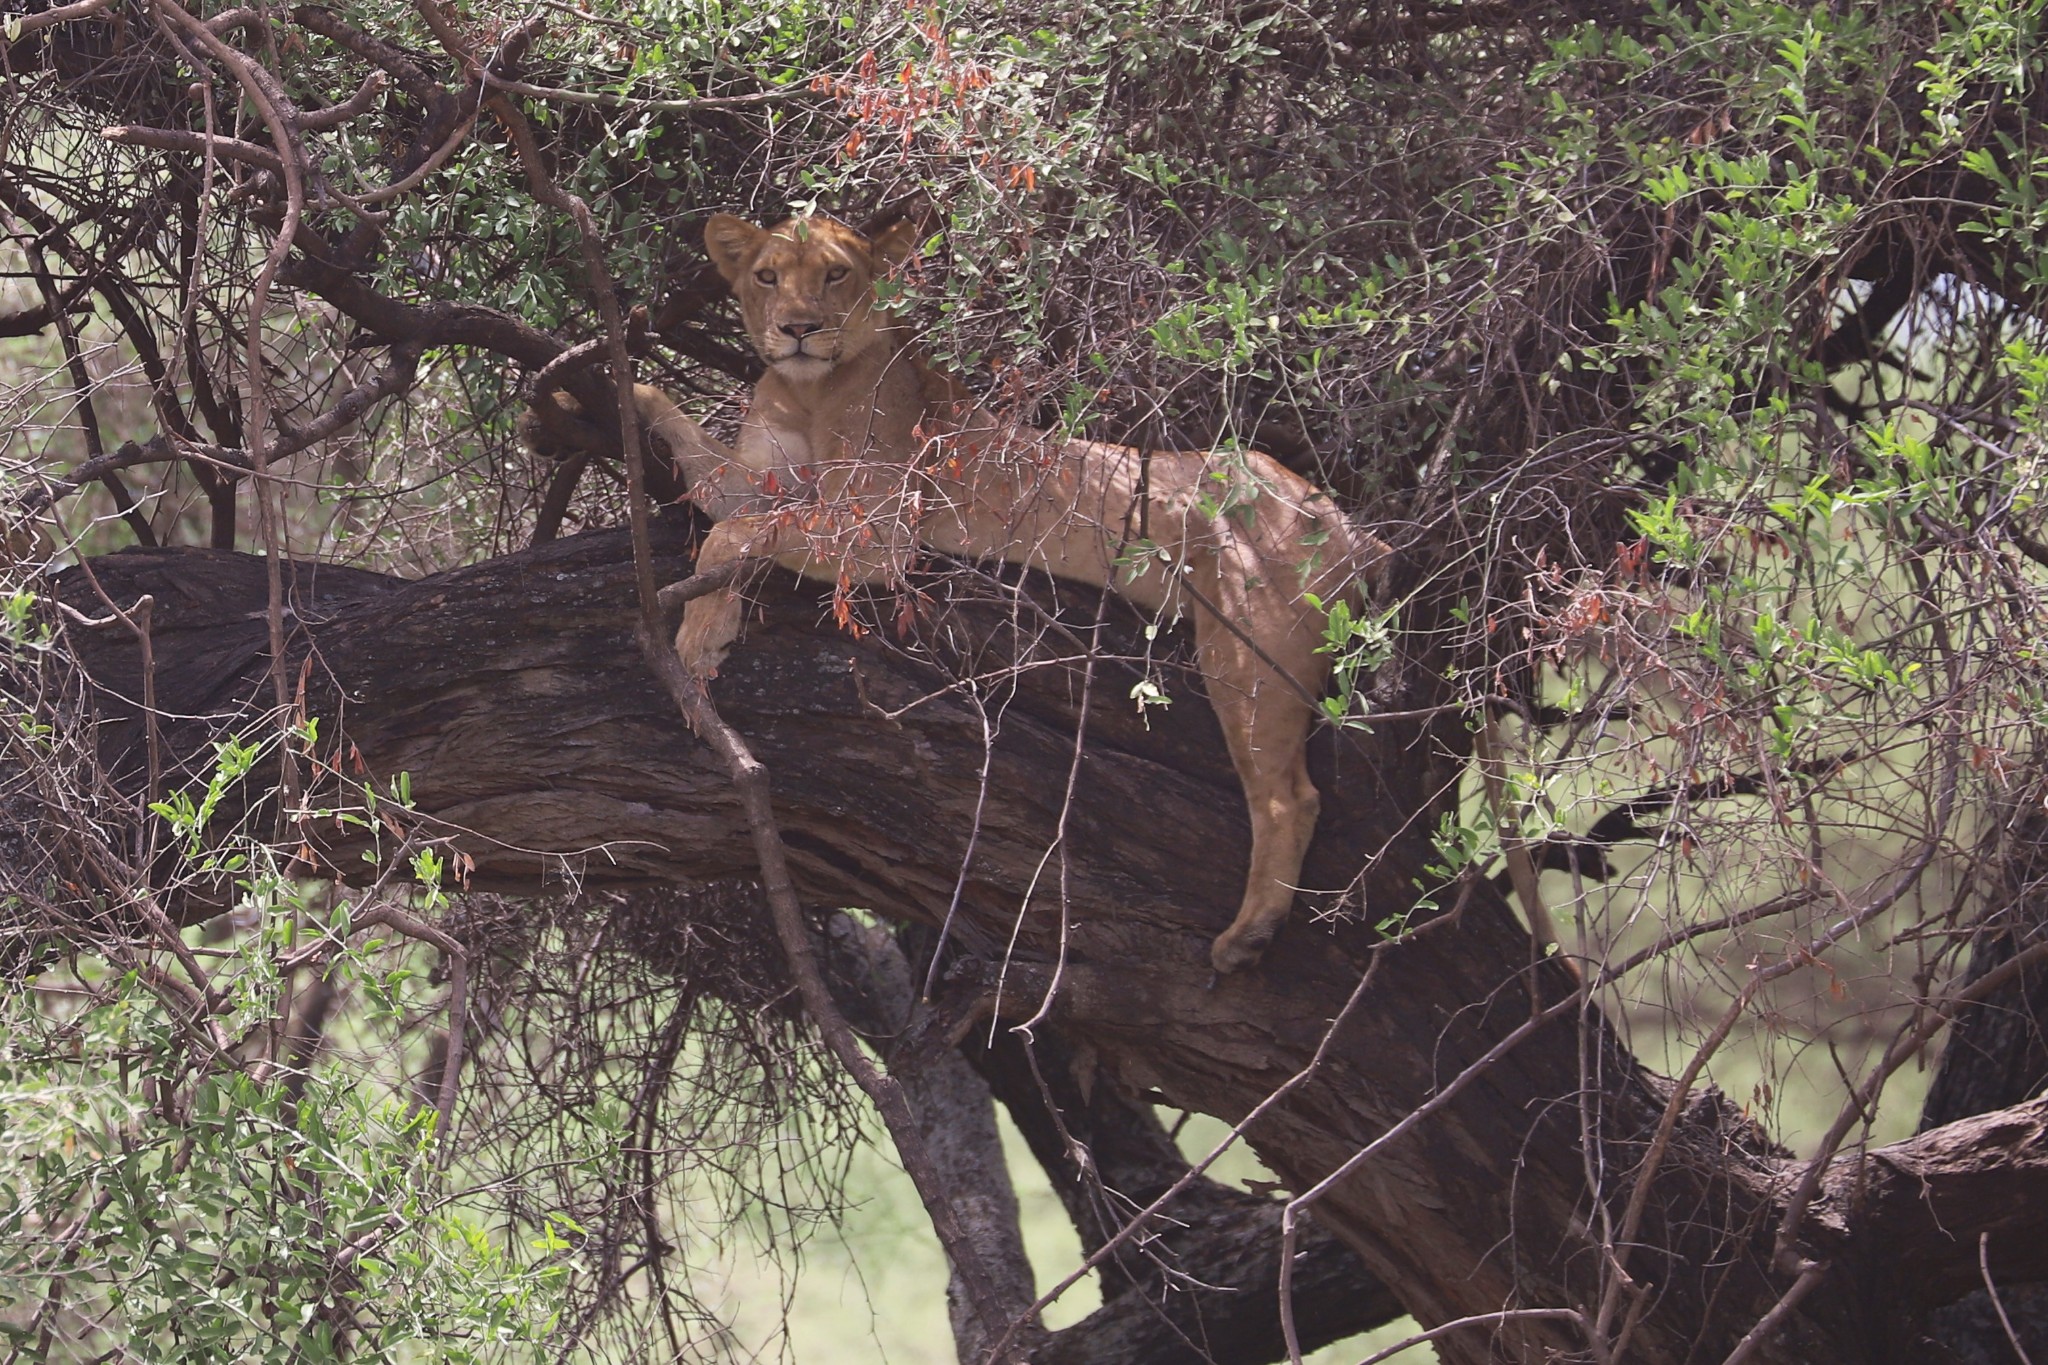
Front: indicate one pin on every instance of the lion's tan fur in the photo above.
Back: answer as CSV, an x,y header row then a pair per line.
x,y
854,453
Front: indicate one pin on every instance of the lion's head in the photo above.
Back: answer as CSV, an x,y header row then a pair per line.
x,y
806,287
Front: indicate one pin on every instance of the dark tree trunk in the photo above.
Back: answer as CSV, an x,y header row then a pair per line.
x,y
1997,1053
1997,1056
871,982
1201,1285
512,694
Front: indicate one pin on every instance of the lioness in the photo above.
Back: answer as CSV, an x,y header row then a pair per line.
x,y
854,453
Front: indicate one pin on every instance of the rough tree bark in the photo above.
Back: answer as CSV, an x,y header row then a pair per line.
x,y
1201,1285
871,982
512,695
1997,1057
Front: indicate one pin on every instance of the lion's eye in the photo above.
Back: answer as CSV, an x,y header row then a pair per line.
x,y
835,274
766,277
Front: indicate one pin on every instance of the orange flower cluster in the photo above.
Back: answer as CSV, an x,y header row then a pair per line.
x,y
914,94
902,101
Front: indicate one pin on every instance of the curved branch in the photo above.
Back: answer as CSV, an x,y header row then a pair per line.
x,y
198,144
355,105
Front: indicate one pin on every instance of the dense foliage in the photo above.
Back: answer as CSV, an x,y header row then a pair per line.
x,y
1690,354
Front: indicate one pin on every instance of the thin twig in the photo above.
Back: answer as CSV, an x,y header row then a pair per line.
x,y
1780,1310
433,162
611,101
280,117
1903,1049
1059,834
391,917
1660,1141
1487,751
138,619
1476,1320
1984,1265
988,755
1895,1056
1291,1214
81,377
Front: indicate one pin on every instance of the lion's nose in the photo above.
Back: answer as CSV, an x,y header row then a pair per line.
x,y
800,330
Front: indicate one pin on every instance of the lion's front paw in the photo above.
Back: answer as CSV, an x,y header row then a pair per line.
x,y
710,624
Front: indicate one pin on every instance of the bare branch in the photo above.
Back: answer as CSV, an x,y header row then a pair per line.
x,y
608,100
26,322
58,14
354,106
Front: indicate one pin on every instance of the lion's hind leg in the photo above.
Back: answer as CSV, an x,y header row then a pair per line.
x,y
1266,721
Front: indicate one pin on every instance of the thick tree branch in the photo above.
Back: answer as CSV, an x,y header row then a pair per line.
x,y
419,326
27,322
540,747
429,324
1930,1198
1200,1285
401,66
871,982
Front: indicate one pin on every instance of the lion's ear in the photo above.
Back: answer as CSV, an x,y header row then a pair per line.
x,y
893,244
730,242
